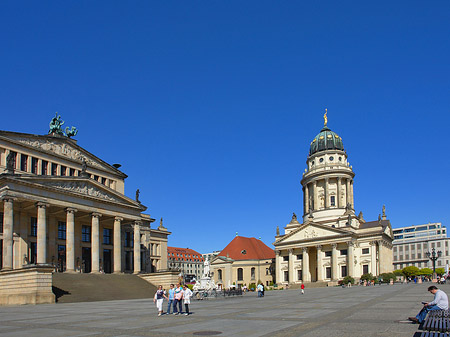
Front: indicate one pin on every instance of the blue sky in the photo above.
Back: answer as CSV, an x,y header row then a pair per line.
x,y
210,106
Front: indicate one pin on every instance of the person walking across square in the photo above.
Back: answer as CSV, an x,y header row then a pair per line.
x,y
303,288
178,296
187,294
171,299
159,298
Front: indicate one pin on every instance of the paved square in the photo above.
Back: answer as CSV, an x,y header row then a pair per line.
x,y
356,311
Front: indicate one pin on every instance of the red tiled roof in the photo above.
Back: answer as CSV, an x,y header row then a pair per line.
x,y
183,254
242,248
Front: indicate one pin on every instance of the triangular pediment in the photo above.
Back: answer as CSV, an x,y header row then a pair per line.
x,y
311,231
83,187
60,146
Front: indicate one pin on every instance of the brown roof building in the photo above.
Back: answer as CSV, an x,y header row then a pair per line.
x,y
242,262
185,260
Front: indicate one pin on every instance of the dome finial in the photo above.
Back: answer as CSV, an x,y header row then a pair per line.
x,y
325,118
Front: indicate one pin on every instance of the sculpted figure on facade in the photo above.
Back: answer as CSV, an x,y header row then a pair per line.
x,y
10,162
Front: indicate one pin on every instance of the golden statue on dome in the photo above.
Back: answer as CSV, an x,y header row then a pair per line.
x,y
325,118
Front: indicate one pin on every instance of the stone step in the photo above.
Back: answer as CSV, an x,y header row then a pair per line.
x,y
309,285
81,287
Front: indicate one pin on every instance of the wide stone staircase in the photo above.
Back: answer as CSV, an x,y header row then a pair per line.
x,y
81,287
318,284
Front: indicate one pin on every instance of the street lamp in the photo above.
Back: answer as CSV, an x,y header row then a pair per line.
x,y
433,256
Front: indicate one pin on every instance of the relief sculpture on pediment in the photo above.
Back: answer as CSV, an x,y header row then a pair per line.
x,y
59,148
83,188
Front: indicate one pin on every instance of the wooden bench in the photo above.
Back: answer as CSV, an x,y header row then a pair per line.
x,y
434,334
437,321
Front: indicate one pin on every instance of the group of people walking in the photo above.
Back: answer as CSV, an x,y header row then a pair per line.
x,y
176,296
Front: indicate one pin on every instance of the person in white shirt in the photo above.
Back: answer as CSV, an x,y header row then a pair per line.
x,y
187,294
440,302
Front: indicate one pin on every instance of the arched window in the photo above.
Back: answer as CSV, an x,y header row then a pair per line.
x,y
240,274
219,274
253,273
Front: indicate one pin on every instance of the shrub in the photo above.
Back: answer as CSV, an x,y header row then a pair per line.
x,y
367,277
440,271
348,279
387,277
398,272
411,271
252,286
190,286
271,283
426,271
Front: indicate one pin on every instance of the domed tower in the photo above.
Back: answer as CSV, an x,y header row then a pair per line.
x,y
328,180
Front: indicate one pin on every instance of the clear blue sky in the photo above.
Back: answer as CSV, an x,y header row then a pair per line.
x,y
210,106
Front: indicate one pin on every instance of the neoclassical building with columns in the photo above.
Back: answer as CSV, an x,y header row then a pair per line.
x,y
332,241
65,207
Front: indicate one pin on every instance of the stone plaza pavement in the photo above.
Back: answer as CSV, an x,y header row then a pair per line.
x,y
356,311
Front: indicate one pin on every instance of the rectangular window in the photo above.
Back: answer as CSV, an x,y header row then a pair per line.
x,y
86,233
63,170
71,172
365,268
438,244
300,256
129,239
419,255
1,222
328,253
61,230
343,271
54,169
343,251
328,272
286,276
395,250
285,258
14,158
107,236
103,181
33,228
23,162
32,253
299,275
365,250
34,165
333,200
44,170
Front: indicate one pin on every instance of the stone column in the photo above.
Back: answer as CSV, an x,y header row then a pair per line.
x,y
316,199
325,191
137,248
117,245
70,240
95,246
373,258
305,265
291,266
41,233
347,192
8,221
350,259
334,264
338,184
319,263
306,199
277,267
351,194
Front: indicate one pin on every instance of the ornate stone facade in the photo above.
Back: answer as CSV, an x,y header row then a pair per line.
x,y
65,207
332,242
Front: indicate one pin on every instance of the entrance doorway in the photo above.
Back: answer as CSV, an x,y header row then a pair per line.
x,y
129,261
107,261
61,258
86,259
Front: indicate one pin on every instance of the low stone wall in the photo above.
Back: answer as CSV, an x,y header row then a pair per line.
x,y
29,285
164,278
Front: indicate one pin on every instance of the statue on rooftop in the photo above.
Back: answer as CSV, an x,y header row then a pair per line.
x,y
71,132
56,125
278,230
137,195
325,118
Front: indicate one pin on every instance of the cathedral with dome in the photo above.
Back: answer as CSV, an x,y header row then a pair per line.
x,y
330,241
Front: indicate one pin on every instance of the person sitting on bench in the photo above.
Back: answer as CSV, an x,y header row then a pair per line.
x,y
440,302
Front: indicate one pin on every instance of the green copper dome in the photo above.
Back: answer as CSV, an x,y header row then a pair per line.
x,y
326,140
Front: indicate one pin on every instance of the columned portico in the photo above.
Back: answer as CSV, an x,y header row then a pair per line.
x,y
41,233
117,245
334,264
8,220
291,265
95,247
373,257
137,248
70,240
277,266
350,258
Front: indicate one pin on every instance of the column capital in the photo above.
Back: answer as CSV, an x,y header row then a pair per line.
x,y
318,247
96,215
70,210
118,218
290,250
305,249
278,252
351,243
334,245
7,198
42,204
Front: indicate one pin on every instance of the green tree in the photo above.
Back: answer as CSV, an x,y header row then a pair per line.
x,y
398,272
387,277
425,271
348,279
440,271
410,271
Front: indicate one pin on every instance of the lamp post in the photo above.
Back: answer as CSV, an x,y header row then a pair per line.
x,y
433,256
